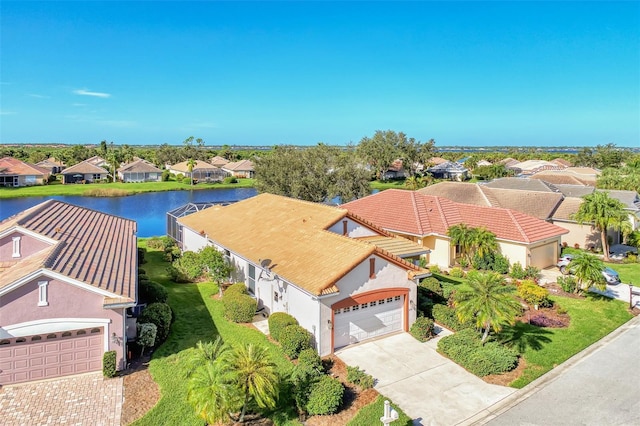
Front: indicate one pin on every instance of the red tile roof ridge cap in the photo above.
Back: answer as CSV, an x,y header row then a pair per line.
x,y
443,216
416,211
511,214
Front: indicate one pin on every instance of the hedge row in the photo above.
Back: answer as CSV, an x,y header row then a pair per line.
x,y
466,349
159,314
238,305
446,316
278,321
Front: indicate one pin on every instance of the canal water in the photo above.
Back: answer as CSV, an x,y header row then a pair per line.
x,y
148,209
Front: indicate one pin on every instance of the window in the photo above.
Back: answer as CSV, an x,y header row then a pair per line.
x,y
381,302
372,268
42,293
389,299
336,311
52,336
347,309
66,334
344,227
355,308
95,330
275,296
373,303
35,338
4,342
21,340
396,298
16,247
364,305
81,332
251,282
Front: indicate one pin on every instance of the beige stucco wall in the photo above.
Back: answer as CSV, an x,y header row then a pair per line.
x,y
583,235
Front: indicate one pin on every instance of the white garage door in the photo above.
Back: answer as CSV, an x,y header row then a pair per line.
x,y
51,355
356,323
544,256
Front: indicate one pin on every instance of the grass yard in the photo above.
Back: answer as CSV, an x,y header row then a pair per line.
x,y
130,188
197,317
629,272
543,349
370,415
387,184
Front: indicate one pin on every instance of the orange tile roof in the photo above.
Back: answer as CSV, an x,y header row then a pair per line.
x,y
84,168
292,234
242,165
93,247
411,212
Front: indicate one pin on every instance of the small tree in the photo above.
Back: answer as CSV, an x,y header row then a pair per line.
x,y
587,268
146,336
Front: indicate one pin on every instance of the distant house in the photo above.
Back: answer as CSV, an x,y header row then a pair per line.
x,y
96,160
425,220
52,165
483,163
67,276
240,169
395,171
202,171
569,176
340,276
14,173
449,170
139,171
84,172
218,161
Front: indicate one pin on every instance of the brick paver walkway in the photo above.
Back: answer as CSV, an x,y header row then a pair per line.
x,y
80,400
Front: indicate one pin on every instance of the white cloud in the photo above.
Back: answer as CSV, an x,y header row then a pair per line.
x,y
7,112
35,95
85,92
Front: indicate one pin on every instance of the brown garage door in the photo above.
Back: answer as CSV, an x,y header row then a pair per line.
x,y
51,355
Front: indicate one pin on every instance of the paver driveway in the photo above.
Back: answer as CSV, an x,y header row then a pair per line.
x,y
88,399
429,388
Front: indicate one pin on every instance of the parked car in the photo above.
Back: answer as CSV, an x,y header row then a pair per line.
x,y
610,276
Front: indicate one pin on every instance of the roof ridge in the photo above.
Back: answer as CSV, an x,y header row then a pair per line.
x,y
517,223
416,211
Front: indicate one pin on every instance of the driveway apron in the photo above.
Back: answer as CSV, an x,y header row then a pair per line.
x,y
429,388
88,399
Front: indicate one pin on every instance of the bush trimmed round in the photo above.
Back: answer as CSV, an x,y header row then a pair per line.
x,y
160,315
237,288
294,339
239,307
278,321
325,396
310,361
423,329
151,292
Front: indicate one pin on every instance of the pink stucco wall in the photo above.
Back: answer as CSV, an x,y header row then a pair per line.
x,y
65,301
28,246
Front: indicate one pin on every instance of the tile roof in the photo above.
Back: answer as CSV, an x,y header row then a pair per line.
x,y
242,165
84,168
448,166
562,162
460,192
411,212
92,247
436,160
139,166
199,165
628,198
575,190
218,161
534,203
292,234
399,246
568,207
13,166
522,184
570,175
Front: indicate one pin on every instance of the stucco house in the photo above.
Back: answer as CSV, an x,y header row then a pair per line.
x,y
84,172
14,173
425,219
240,169
67,276
315,262
449,170
52,165
139,171
218,161
201,171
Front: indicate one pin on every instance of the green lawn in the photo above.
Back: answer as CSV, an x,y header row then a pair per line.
x,y
543,349
387,184
131,188
370,415
629,272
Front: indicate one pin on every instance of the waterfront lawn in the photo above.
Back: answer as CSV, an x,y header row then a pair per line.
x,y
543,349
116,188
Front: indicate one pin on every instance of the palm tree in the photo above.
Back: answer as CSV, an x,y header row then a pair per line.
x,y
461,236
483,241
588,270
604,213
205,353
256,375
213,392
190,165
488,300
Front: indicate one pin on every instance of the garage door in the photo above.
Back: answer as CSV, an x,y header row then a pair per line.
x,y
356,323
51,355
544,256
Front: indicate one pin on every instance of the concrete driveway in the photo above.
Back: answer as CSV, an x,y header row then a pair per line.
x,y
87,399
429,388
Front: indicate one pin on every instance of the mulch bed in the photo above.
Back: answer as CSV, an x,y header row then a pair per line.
x,y
141,392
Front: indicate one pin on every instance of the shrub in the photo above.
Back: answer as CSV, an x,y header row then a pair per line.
x,y
237,288
151,292
180,177
166,174
230,179
325,396
447,290
533,294
456,272
423,329
500,264
278,321
631,258
294,339
189,265
425,305
310,362
466,349
359,377
435,269
531,272
141,253
463,262
517,271
160,315
432,287
109,364
239,307
447,316
147,333
541,320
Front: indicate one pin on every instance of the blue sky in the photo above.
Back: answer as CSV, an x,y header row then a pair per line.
x,y
245,73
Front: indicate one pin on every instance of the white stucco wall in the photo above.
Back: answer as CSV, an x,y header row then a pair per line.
x,y
514,252
192,240
354,229
441,251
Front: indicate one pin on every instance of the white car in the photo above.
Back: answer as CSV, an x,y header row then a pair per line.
x,y
609,274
